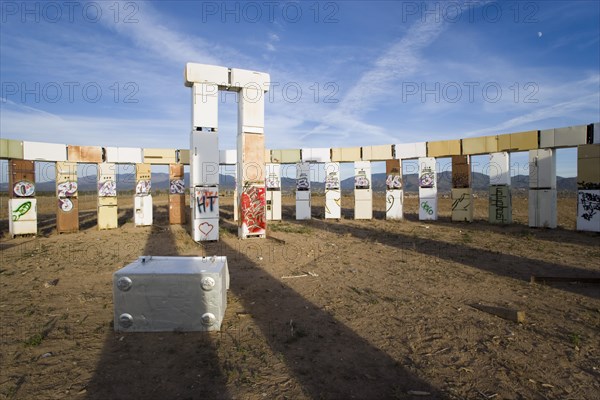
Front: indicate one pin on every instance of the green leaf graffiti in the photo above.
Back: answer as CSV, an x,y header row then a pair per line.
x,y
21,210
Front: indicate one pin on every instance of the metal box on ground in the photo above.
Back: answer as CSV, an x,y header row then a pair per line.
x,y
22,216
166,294
142,213
462,205
542,208
588,210
363,204
500,209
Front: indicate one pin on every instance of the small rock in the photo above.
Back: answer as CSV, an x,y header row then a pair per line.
x,y
46,355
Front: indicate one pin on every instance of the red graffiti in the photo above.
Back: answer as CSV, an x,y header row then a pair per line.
x,y
253,209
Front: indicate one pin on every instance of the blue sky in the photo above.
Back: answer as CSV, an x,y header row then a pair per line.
x,y
111,73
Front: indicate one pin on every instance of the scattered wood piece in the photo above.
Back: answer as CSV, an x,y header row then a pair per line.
x,y
419,393
505,313
53,282
308,273
549,279
281,241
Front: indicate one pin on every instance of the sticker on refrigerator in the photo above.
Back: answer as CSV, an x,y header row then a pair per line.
x,y
21,210
176,186
272,182
361,181
332,181
107,189
24,189
142,188
427,178
67,189
302,183
66,205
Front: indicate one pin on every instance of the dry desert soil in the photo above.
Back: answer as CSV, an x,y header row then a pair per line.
x,y
390,310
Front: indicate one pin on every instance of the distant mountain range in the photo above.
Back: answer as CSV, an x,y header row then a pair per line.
x,y
160,181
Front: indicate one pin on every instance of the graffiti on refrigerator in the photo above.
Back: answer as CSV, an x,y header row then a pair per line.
x,y
361,181
24,189
303,183
272,181
426,207
590,204
499,201
107,189
393,182
21,210
67,189
390,202
176,186
427,178
253,209
332,181
206,228
142,188
206,200
65,204
461,202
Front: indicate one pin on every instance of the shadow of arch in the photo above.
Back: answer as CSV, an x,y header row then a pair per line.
x,y
163,365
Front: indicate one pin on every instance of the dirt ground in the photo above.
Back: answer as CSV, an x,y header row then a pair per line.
x,y
386,313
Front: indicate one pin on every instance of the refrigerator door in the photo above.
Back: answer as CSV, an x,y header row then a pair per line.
x,y
206,229
462,205
177,209
108,217
143,210
428,208
394,200
500,205
333,204
22,216
67,215
303,209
